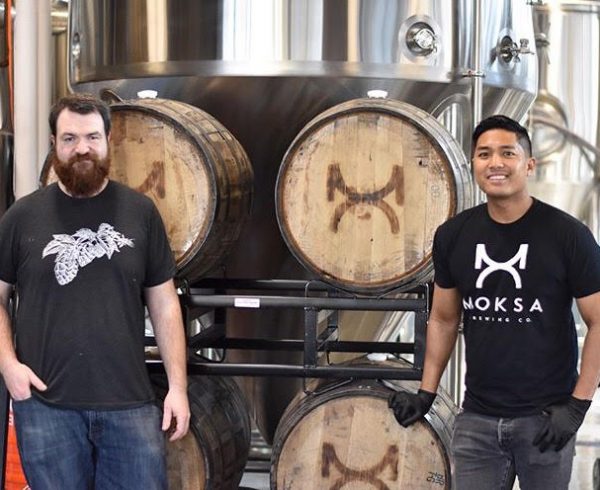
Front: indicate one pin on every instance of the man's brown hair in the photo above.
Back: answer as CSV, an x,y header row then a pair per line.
x,y
81,104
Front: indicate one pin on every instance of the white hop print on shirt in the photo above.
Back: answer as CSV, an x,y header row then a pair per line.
x,y
81,248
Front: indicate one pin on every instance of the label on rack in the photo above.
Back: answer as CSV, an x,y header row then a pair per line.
x,y
246,302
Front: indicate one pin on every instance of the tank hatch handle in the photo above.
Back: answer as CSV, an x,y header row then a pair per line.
x,y
508,50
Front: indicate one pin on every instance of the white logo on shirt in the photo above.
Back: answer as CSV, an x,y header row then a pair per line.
x,y
81,248
482,257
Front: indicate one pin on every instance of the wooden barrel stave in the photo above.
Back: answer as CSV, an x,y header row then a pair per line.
x,y
214,453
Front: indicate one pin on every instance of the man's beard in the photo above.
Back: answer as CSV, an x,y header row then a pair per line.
x,y
81,180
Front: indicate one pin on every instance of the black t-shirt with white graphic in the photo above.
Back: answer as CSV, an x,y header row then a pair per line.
x,y
517,283
81,266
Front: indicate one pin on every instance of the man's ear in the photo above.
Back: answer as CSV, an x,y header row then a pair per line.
x,y
530,165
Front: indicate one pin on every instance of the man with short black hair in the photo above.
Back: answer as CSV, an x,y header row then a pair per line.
x,y
511,268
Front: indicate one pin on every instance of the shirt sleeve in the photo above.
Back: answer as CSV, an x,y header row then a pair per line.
x,y
584,263
160,263
9,247
442,275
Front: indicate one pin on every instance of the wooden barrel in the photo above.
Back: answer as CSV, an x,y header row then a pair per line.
x,y
194,170
362,189
214,453
343,435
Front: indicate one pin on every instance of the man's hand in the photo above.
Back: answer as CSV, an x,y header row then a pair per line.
x,y
410,407
562,422
176,413
19,379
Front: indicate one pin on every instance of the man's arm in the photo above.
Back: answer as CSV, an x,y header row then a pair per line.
x,y
589,377
165,314
17,376
442,330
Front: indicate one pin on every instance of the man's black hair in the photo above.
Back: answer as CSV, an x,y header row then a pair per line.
x,y
506,123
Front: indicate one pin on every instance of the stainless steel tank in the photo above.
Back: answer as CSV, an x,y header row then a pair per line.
x,y
264,68
564,116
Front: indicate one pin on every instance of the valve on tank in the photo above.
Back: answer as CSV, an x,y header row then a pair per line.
x,y
508,50
421,39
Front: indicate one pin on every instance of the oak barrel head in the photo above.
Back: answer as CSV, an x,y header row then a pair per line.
x,y
348,438
362,189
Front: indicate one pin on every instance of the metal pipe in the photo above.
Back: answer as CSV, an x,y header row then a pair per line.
x,y
477,93
476,74
44,85
359,372
298,345
276,284
574,137
256,302
32,82
60,16
455,371
25,77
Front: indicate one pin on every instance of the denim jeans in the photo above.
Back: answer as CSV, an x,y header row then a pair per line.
x,y
90,449
489,452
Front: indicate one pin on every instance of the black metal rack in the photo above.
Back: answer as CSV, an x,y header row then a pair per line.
x,y
311,296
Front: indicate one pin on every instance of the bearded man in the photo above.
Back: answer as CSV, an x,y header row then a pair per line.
x,y
85,256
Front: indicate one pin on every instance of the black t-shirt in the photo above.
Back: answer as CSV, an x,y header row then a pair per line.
x,y
80,266
517,283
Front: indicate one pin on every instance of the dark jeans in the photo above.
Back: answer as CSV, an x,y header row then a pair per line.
x,y
84,449
489,452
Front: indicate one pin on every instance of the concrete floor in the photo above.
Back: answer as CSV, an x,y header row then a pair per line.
x,y
255,481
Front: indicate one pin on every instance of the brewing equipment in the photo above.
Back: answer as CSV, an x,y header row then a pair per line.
x,y
265,68
565,138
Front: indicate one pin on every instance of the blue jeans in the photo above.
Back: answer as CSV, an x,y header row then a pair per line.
x,y
489,452
90,449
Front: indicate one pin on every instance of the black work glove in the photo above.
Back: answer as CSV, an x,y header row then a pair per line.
x,y
562,422
410,407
